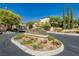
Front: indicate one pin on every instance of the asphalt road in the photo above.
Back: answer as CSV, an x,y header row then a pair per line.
x,y
71,44
7,48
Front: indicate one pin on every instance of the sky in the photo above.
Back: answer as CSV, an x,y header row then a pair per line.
x,y
35,11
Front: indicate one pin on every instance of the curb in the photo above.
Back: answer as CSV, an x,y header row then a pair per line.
x,y
38,53
8,32
64,33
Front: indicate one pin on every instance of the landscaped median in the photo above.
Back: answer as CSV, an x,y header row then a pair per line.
x,y
40,45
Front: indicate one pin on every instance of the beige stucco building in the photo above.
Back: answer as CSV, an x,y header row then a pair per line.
x,y
45,20
41,22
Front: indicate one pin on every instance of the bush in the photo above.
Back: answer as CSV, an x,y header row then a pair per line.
x,y
46,26
26,42
19,36
35,46
50,38
76,31
57,29
30,24
37,31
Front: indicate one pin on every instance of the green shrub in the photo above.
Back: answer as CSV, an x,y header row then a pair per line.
x,y
57,30
30,24
46,26
76,31
35,46
19,36
50,38
27,42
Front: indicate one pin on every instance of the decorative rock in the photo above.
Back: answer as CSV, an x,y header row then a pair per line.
x,y
39,52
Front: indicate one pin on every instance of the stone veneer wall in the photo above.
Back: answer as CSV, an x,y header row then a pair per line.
x,y
45,37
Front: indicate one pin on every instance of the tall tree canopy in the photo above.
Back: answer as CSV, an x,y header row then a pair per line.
x,y
9,18
54,21
30,24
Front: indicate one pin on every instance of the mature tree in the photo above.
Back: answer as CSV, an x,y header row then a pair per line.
x,y
29,24
54,21
72,20
68,19
46,26
78,22
9,18
64,20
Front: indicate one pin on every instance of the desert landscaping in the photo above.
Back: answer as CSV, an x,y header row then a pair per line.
x,y
37,41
